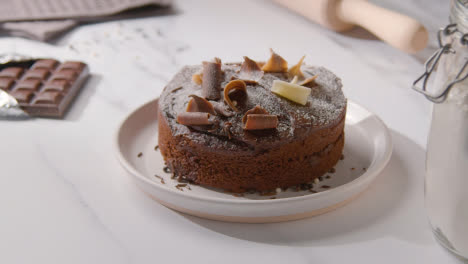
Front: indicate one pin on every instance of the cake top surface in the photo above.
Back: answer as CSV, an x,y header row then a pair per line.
x,y
325,106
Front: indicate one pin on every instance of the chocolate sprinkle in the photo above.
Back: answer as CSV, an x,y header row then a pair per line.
x,y
140,154
160,178
156,147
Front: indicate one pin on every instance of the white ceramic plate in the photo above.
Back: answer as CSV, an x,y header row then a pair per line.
x,y
367,150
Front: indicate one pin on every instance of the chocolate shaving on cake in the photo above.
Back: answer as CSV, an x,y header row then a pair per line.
x,y
296,69
197,78
199,104
211,79
194,119
221,109
238,85
256,110
260,122
275,64
227,129
309,81
250,72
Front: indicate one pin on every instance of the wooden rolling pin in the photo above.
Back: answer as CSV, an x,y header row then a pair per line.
x,y
396,29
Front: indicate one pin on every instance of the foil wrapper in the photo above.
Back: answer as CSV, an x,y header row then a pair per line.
x,y
9,107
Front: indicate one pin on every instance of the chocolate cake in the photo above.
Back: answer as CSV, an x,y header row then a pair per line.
x,y
251,126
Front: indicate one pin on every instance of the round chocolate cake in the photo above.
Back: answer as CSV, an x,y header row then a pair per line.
x,y
251,126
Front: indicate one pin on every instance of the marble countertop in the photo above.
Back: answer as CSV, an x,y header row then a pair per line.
x,y
65,198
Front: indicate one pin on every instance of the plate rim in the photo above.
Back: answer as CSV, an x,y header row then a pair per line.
x,y
372,171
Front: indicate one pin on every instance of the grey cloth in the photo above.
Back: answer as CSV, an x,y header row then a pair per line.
x,y
45,20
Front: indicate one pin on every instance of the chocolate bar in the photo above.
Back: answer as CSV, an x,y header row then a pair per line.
x,y
43,87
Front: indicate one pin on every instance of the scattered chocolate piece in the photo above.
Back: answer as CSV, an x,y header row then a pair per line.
x,y
327,177
194,119
364,169
250,72
291,91
199,104
332,170
156,147
197,78
166,169
236,85
176,89
272,198
227,129
353,168
221,109
325,187
140,154
275,64
296,69
342,157
160,178
260,122
309,81
211,79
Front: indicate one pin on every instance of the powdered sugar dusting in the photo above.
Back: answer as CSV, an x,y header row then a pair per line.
x,y
325,107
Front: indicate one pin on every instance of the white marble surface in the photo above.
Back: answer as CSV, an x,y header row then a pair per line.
x,y
65,199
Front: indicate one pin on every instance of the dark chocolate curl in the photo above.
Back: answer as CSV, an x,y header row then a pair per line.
x,y
250,72
256,110
234,85
194,119
211,79
199,104
260,122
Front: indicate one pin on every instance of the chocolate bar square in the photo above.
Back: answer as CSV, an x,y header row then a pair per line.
x,y
56,85
49,97
45,64
31,84
13,72
6,83
22,96
39,73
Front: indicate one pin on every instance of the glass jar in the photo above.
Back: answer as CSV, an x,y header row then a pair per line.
x,y
446,180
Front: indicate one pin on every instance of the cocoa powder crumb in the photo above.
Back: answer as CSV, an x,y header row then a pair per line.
x,y
140,154
156,147
312,191
353,168
342,157
325,186
327,177
332,170
364,169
